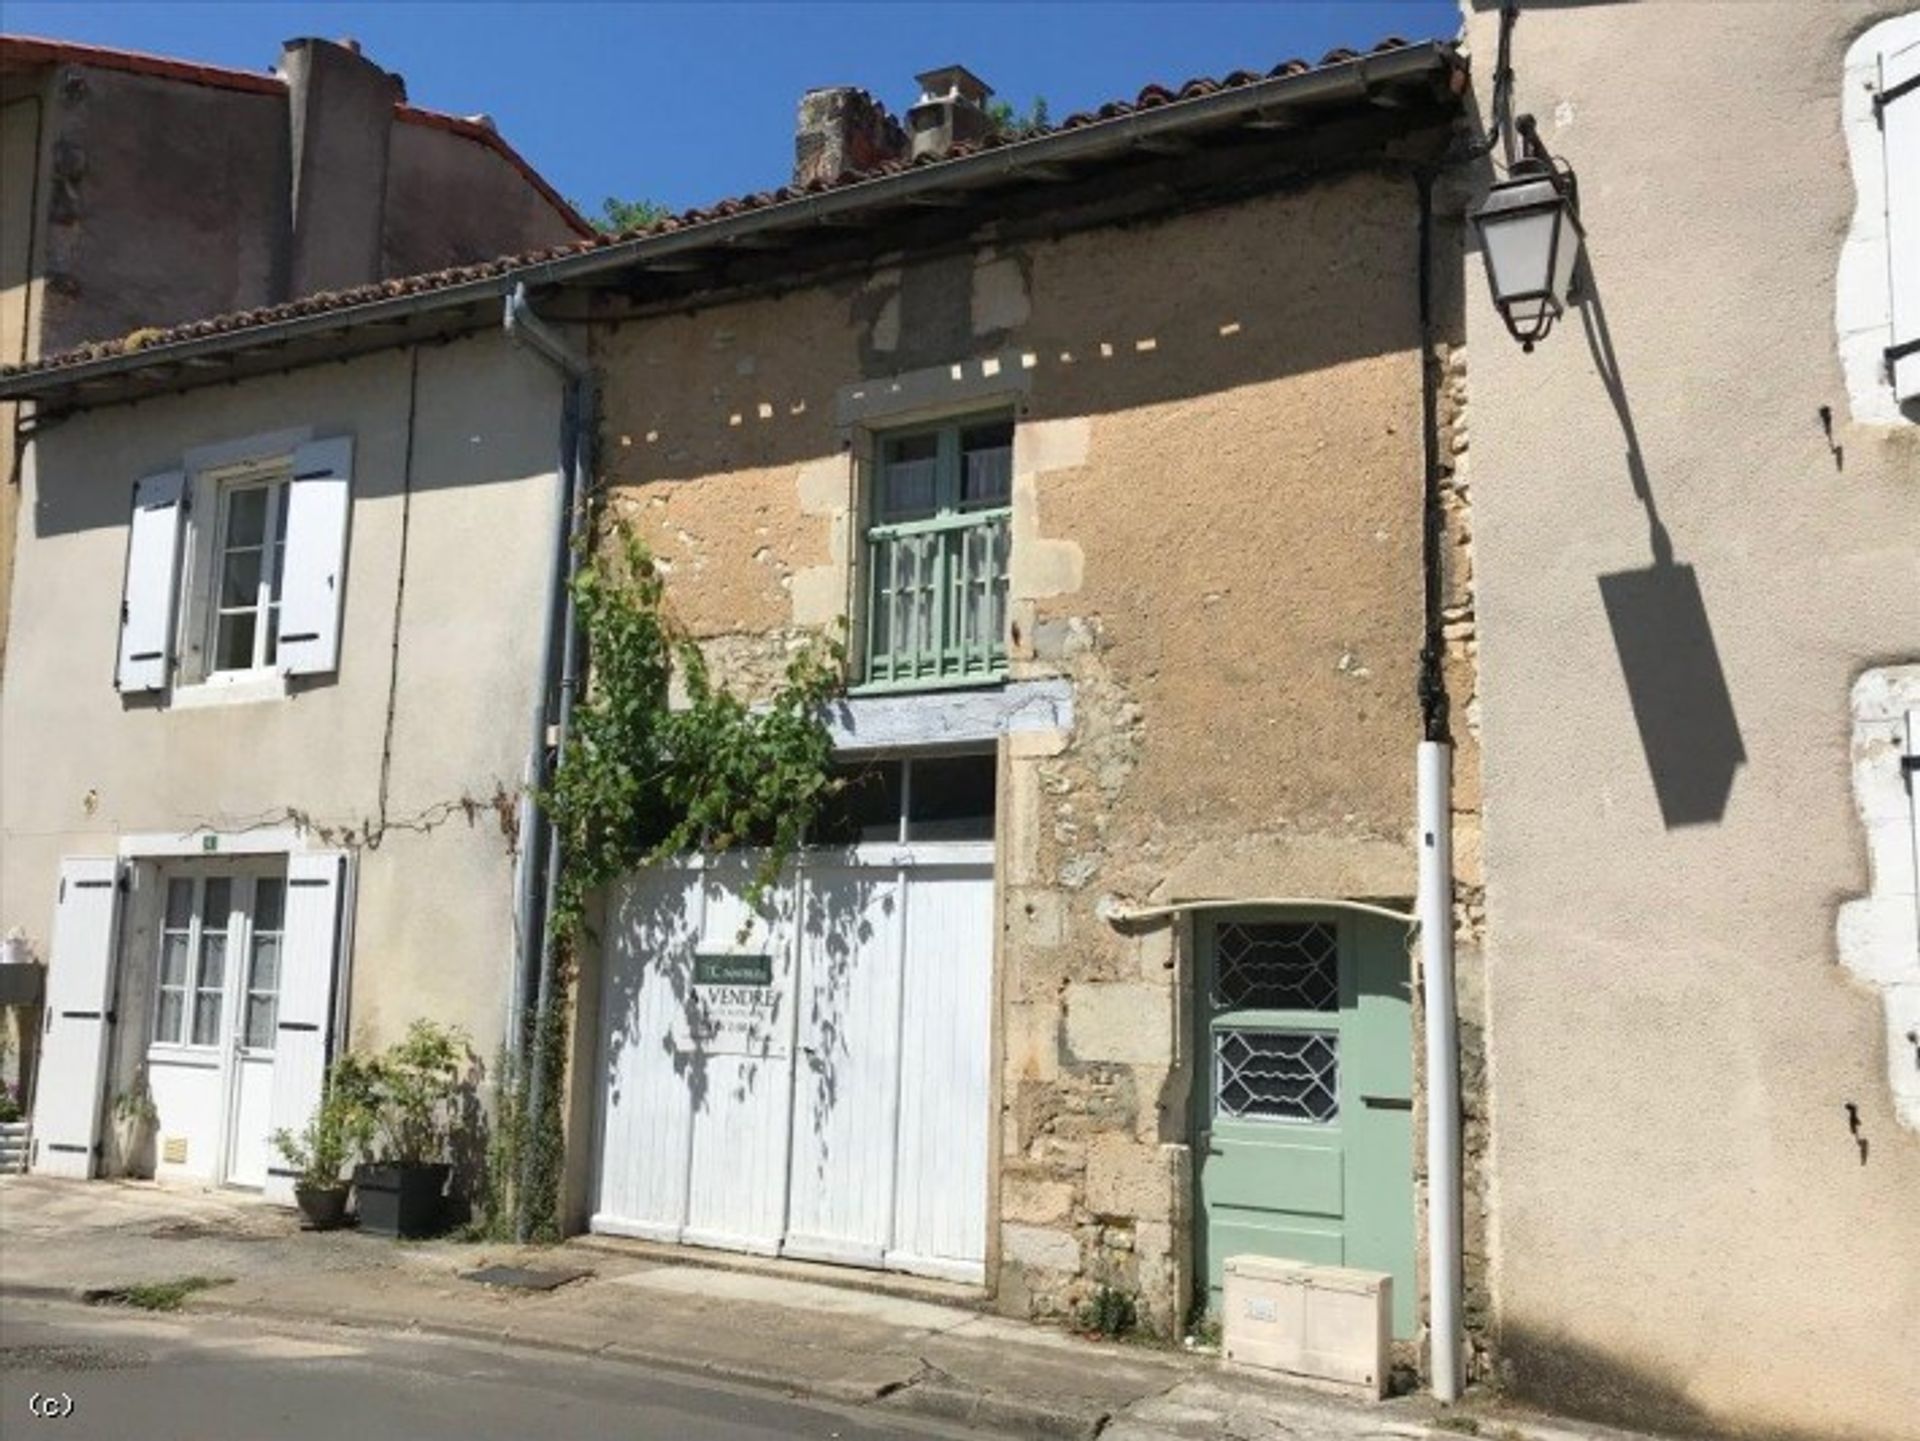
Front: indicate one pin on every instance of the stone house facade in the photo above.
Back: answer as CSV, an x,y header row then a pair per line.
x,y
1121,458
1214,599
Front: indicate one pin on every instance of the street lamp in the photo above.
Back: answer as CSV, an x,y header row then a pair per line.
x,y
1530,235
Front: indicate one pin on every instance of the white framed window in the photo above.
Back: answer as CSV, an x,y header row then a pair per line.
x,y
235,572
244,580
212,923
191,990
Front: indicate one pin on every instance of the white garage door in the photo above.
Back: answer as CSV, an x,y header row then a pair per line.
x,y
818,1088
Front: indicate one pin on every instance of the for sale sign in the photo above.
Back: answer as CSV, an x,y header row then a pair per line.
x,y
736,1005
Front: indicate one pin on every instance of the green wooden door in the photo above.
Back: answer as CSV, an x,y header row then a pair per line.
x,y
1303,1089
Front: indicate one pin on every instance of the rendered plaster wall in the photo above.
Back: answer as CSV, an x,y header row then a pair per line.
x,y
1217,504
198,175
80,767
20,130
1705,1201
451,200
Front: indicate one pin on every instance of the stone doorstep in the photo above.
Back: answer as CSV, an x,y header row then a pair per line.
x,y
850,1278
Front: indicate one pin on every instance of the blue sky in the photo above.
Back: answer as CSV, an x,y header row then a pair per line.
x,y
687,103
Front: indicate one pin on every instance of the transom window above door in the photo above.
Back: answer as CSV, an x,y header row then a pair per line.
x,y
909,799
938,538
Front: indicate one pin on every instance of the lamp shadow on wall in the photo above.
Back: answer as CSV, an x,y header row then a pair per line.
x,y
1661,633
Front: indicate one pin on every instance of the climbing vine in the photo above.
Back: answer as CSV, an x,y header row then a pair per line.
x,y
643,779
647,775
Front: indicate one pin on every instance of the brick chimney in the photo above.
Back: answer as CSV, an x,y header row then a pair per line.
x,y
842,128
952,108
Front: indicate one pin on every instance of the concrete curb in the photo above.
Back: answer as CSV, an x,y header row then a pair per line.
x,y
1003,1414
34,1291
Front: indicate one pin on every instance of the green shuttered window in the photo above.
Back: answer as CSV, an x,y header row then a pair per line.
x,y
937,546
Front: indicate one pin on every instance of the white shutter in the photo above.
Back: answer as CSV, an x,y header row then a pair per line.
x,y
73,1050
308,959
152,582
1899,105
1910,763
318,500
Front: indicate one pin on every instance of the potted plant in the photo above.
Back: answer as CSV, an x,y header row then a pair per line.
x,y
337,1132
409,1094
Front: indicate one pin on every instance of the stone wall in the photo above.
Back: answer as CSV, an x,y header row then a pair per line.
x,y
1216,539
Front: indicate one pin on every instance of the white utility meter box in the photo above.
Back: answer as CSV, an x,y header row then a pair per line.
x,y
1323,1324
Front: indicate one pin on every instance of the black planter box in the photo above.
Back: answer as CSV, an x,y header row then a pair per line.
x,y
401,1200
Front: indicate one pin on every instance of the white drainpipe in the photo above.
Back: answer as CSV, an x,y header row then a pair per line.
x,y
1435,802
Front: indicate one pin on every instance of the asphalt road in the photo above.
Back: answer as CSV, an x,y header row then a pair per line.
x,y
132,1374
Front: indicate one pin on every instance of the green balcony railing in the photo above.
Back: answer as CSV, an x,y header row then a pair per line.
x,y
937,600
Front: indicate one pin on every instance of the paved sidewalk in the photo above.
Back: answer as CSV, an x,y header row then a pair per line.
x,y
770,1324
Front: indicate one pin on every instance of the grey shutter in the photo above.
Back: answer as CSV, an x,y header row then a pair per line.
x,y
152,583
309,957
1899,107
318,501
73,1049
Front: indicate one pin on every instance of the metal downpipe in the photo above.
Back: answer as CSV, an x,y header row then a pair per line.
x,y
569,688
531,982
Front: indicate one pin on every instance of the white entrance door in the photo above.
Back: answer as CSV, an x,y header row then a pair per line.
x,y
214,1016
818,1089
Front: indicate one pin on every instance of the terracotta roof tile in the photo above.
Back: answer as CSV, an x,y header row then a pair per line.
x,y
1150,96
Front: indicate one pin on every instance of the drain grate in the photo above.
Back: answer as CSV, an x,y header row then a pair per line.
x,y
521,1278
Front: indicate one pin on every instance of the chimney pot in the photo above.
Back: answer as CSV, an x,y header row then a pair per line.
x,y
952,108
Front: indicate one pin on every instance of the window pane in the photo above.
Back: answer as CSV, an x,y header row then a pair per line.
x,y
173,959
273,635
279,536
213,960
906,490
206,1018
264,974
269,902
952,798
986,465
240,578
179,904
233,643
1277,1075
247,516
909,477
867,808
261,1009
1277,966
172,1009
215,909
